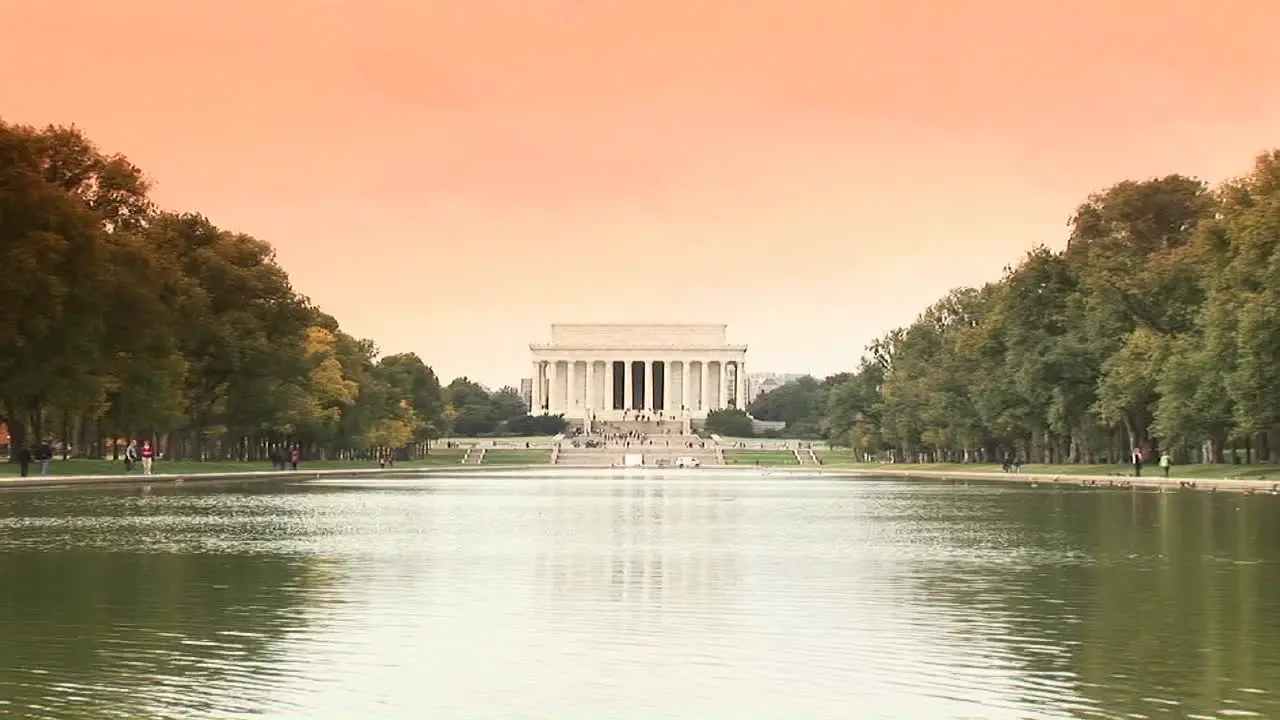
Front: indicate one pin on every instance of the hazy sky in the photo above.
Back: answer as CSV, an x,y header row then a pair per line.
x,y
452,177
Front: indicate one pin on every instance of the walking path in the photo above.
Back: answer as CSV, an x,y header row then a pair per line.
x,y
13,482
1160,483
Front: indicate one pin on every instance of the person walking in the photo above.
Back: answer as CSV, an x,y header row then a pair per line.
x,y
1137,462
1165,463
131,456
295,454
147,454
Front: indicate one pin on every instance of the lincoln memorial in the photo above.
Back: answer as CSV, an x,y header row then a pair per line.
x,y
607,372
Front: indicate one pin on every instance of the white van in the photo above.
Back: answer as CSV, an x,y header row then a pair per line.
x,y
687,462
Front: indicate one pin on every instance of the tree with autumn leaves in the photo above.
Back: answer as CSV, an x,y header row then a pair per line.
x,y
1158,326
120,320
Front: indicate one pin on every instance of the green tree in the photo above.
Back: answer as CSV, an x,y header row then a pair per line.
x,y
730,422
799,404
52,320
121,320
475,414
410,378
508,405
1158,325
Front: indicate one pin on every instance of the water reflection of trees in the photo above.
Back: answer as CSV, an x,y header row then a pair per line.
x,y
636,546
1151,604
126,631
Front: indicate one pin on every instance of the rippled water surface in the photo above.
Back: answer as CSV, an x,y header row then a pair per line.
x,y
683,596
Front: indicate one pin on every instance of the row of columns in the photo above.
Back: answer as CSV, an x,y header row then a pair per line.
x,y
556,386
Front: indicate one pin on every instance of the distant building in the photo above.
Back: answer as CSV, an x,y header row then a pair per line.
x,y
761,383
526,392
607,372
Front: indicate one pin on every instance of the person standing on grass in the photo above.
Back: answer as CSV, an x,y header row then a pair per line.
x,y
131,456
24,460
294,456
147,454
1137,462
1165,463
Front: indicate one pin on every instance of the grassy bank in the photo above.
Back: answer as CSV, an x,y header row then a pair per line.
x,y
439,457
501,456
771,458
833,459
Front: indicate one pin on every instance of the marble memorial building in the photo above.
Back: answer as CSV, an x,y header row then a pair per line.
x,y
608,371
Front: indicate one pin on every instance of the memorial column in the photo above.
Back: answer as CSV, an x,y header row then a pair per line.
x,y
591,387
553,386
628,386
686,385
706,387
535,388
571,383
649,397
723,401
544,389
608,384
740,379
669,387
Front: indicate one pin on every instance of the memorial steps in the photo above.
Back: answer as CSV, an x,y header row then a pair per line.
x,y
592,457
655,429
652,455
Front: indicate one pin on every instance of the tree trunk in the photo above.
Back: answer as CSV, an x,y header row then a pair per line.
x,y
66,434
84,446
17,436
1134,433
1217,446
37,423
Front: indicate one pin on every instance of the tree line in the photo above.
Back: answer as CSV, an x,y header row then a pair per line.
x,y
119,319
1157,327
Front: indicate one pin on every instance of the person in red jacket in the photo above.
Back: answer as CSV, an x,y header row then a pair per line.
x,y
147,454
294,456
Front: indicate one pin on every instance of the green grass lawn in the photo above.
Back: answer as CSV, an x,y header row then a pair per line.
x,y
438,457
837,459
503,456
760,457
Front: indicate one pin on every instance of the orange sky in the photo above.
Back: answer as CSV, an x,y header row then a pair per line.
x,y
452,177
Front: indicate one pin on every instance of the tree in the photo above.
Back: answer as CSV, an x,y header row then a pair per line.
x,y
412,379
531,425
121,320
1157,326
508,405
799,404
730,422
473,407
